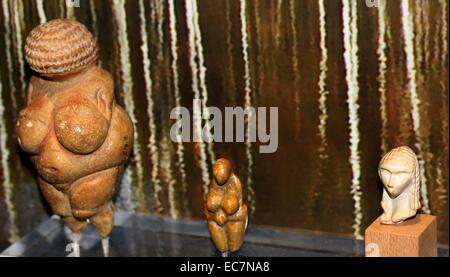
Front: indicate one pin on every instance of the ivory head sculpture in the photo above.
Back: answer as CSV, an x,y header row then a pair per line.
x,y
399,172
72,128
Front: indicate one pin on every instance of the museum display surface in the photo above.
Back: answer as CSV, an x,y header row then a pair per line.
x,y
210,128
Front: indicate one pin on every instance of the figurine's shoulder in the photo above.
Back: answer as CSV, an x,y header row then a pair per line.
x,y
102,77
235,182
37,86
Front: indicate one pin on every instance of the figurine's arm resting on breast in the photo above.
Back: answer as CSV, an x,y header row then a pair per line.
x,y
236,186
105,101
209,215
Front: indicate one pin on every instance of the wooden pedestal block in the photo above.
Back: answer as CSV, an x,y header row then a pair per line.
x,y
415,237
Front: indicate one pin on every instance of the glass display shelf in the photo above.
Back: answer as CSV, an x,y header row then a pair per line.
x,y
138,235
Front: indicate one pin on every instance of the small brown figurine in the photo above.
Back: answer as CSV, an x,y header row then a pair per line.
x,y
76,135
225,210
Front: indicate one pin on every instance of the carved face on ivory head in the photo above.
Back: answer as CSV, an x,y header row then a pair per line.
x,y
397,170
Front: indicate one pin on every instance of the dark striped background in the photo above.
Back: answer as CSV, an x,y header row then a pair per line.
x,y
291,188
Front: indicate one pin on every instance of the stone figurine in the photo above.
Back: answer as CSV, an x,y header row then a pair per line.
x,y
77,136
399,172
225,211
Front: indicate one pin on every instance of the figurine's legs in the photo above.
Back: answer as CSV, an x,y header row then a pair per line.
x,y
104,220
235,231
218,236
89,195
75,225
58,200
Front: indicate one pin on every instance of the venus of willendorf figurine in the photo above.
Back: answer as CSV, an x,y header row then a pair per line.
x,y
75,133
399,172
225,210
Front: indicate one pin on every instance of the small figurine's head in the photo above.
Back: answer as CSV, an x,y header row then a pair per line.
x,y
60,48
222,171
398,170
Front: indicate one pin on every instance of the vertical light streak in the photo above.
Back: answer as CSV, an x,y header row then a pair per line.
x,y
195,87
382,61
175,79
41,11
125,195
62,8
120,17
444,33
260,49
322,81
295,62
404,121
166,161
202,77
351,66
279,22
69,10
167,175
421,27
6,182
417,26
425,22
159,15
9,60
94,19
230,71
261,60
157,23
19,24
154,153
248,103
440,179
443,55
436,41
408,33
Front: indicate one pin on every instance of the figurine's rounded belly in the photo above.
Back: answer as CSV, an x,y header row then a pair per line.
x,y
58,165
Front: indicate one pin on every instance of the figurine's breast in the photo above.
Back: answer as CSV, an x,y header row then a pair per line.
x,y
213,201
80,128
34,123
230,203
79,124
217,200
